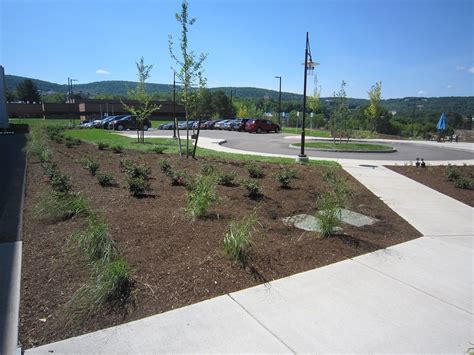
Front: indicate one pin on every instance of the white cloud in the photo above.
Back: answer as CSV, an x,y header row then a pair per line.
x,y
449,86
460,67
421,92
471,70
102,72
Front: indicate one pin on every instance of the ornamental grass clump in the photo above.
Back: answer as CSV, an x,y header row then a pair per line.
x,y
102,145
207,169
62,206
201,195
117,148
255,171
157,149
237,240
95,243
111,284
329,214
330,204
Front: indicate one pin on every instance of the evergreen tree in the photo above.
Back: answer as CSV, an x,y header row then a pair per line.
x,y
28,92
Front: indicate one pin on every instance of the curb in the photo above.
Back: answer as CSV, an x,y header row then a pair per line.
x,y
393,150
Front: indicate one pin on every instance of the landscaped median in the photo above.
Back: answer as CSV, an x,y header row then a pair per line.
x,y
149,232
349,147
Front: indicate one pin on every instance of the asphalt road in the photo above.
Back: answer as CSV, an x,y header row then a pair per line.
x,y
12,170
277,144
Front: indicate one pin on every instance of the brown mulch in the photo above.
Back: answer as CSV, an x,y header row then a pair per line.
x,y
177,261
435,177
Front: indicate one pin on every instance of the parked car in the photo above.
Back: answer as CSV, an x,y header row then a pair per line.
x,y
234,125
129,122
221,124
212,124
169,125
259,125
86,124
182,124
241,124
106,121
205,124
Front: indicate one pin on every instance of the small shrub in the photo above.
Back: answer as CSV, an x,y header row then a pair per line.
x,y
62,206
255,171
452,173
49,169
207,169
106,179
285,176
253,188
138,186
157,149
117,148
463,183
111,284
91,165
71,141
134,170
329,215
165,166
102,145
60,182
237,241
202,193
95,242
226,179
179,178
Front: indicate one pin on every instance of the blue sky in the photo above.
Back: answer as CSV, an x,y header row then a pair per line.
x,y
415,47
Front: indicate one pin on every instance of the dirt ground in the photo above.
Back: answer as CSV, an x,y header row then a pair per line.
x,y
177,261
435,177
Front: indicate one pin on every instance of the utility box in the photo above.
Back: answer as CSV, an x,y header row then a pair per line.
x,y
3,102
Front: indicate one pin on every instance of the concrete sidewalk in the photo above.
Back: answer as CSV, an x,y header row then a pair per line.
x,y
412,297
12,161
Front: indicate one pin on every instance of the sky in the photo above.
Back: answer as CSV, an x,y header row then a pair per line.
x,y
414,47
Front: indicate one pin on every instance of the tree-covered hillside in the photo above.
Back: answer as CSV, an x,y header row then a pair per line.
x,y
268,98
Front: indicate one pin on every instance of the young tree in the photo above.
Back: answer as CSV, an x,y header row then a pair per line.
x,y
339,118
28,92
373,111
314,101
190,68
144,107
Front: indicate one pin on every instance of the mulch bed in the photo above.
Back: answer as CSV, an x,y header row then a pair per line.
x,y
177,261
435,177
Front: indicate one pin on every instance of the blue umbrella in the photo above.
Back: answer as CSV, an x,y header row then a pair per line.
x,y
442,122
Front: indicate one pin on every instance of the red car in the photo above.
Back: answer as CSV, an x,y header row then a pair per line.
x,y
258,125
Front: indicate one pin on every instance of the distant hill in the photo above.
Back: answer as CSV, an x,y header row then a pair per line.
x,y
461,105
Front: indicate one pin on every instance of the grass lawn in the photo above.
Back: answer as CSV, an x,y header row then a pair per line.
x,y
363,147
97,135
40,121
308,132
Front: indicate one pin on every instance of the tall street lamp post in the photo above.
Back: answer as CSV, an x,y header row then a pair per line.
x,y
308,70
70,97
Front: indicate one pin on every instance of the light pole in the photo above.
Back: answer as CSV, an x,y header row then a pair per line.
x,y
308,70
70,94
279,102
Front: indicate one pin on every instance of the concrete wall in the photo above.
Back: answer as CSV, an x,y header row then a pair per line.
x,y
465,135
